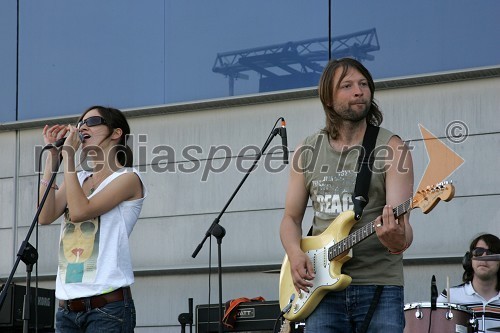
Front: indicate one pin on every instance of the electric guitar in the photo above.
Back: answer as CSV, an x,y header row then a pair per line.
x,y
328,252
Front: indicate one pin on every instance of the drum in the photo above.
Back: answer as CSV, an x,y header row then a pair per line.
x,y
447,318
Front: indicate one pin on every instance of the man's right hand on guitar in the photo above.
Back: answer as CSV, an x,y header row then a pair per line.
x,y
302,271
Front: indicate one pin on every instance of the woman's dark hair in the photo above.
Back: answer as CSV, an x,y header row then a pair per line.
x,y
326,89
493,243
116,119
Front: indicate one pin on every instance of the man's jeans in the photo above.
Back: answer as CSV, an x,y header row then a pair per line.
x,y
345,311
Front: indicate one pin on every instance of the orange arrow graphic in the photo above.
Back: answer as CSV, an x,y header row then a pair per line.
x,y
442,160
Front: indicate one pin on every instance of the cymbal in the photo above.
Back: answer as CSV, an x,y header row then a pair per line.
x,y
491,257
494,329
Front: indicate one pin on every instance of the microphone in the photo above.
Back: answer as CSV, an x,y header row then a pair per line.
x,y
60,142
434,293
284,142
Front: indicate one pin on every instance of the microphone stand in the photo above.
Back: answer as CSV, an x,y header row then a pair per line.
x,y
29,255
219,232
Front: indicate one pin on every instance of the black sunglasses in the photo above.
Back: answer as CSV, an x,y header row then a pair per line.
x,y
91,121
479,251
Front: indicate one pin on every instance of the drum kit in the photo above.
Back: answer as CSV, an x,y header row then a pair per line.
x,y
445,317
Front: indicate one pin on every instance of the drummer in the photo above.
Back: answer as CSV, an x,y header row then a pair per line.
x,y
480,290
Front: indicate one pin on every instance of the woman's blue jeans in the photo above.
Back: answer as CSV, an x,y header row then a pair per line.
x,y
115,317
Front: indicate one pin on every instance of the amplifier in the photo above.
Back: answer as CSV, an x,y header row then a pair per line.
x,y
251,317
11,313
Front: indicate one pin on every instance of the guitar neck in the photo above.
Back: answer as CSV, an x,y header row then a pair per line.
x,y
363,232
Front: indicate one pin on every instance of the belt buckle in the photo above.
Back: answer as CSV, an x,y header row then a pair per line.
x,y
77,305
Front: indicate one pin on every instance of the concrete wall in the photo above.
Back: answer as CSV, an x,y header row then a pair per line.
x,y
182,205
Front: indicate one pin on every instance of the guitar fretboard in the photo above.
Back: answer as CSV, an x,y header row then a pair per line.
x,y
363,232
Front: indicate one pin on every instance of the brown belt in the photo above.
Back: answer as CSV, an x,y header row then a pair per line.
x,y
98,301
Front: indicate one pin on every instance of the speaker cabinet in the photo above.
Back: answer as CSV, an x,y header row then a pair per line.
x,y
11,312
251,317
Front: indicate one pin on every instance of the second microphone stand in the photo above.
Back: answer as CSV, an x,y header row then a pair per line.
x,y
219,232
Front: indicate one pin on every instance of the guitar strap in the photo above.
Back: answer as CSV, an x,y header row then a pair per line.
x,y
365,163
371,310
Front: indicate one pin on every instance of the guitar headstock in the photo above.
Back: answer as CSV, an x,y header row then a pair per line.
x,y
429,197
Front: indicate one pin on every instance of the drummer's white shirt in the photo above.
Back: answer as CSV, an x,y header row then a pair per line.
x,y
487,310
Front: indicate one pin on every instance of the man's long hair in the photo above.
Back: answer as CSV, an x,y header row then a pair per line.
x,y
326,89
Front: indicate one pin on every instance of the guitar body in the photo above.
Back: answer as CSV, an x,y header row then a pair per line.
x,y
328,276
